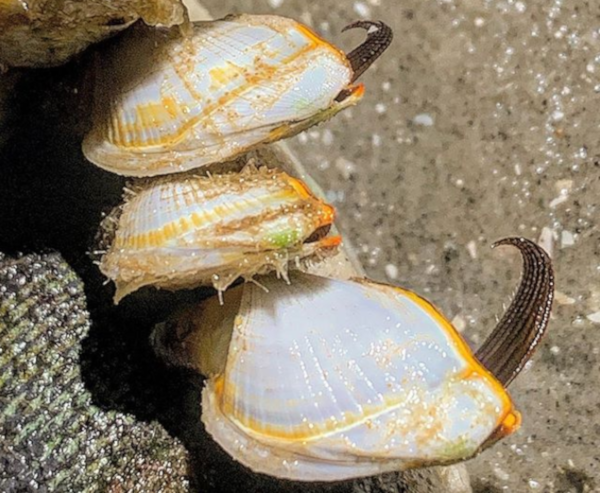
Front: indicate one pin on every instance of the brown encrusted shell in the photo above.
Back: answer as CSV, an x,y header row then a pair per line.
x,y
46,33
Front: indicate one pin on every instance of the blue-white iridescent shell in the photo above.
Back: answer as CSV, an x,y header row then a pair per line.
x,y
336,379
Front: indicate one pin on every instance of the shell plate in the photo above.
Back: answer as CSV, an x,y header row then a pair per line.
x,y
190,230
374,380
230,86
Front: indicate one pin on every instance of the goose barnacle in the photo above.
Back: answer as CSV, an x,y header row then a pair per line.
x,y
323,379
187,230
167,103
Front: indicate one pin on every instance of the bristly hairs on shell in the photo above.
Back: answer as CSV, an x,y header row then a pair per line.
x,y
137,185
105,235
315,258
130,190
256,283
281,264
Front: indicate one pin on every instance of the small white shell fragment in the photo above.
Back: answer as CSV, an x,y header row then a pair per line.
x,y
327,137
534,485
391,271
566,239
423,119
501,474
189,230
459,323
231,85
374,380
380,108
546,240
362,9
594,317
472,249
345,167
563,299
557,201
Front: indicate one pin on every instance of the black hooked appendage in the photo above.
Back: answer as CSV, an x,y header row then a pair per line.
x,y
513,341
379,37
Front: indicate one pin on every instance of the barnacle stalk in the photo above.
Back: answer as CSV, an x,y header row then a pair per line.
x,y
516,336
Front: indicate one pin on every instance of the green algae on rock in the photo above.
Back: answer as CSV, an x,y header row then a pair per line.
x,y
54,436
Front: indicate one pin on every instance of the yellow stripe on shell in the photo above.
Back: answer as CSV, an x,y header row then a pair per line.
x,y
219,76
296,195
317,40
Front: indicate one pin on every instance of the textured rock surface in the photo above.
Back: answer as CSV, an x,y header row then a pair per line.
x,y
56,435
43,33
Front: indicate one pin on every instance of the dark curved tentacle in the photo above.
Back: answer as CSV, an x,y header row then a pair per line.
x,y
379,37
513,341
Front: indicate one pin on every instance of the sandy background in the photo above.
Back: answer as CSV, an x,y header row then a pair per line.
x,y
481,121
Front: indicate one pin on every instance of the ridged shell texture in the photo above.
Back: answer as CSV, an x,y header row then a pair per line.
x,y
328,379
231,85
189,230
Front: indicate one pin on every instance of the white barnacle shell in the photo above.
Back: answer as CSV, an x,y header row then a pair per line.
x,y
187,230
167,103
324,380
